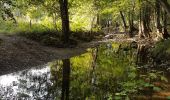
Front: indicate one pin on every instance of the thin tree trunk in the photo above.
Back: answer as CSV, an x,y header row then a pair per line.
x,y
158,17
98,19
92,74
131,27
30,23
54,20
92,24
141,32
158,24
65,21
146,21
66,79
124,21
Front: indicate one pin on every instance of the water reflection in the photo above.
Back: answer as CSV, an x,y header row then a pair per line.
x,y
96,75
27,84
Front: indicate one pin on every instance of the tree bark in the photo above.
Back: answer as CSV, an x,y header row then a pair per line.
x,y
124,21
144,21
142,52
140,25
54,16
65,20
158,23
92,74
98,20
30,23
66,79
165,5
165,31
131,25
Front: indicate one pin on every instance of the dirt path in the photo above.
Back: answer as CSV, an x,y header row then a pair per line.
x,y
18,53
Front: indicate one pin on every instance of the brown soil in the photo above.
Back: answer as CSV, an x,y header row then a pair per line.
x,y
18,53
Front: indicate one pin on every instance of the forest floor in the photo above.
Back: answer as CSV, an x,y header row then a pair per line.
x,y
18,53
161,95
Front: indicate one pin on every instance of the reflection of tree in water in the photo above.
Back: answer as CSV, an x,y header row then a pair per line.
x,y
34,85
56,78
7,93
30,85
40,84
96,74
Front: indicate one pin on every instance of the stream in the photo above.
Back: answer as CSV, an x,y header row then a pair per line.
x,y
106,72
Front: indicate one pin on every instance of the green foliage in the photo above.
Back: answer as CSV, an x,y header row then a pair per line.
x,y
157,89
97,79
10,28
113,73
161,50
168,97
5,9
80,73
56,78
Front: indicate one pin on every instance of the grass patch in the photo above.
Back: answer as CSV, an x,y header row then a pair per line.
x,y
44,34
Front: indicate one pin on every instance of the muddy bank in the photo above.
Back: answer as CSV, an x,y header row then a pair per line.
x,y
18,53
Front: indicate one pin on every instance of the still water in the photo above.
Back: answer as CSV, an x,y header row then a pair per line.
x,y
103,73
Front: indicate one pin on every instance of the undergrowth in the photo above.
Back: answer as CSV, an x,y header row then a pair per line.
x,y
161,51
44,34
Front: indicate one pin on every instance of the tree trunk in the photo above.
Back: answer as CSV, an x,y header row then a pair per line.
x,y
142,52
158,23
54,20
98,20
124,21
92,24
66,79
30,23
131,25
92,73
65,21
144,21
165,5
140,25
165,31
